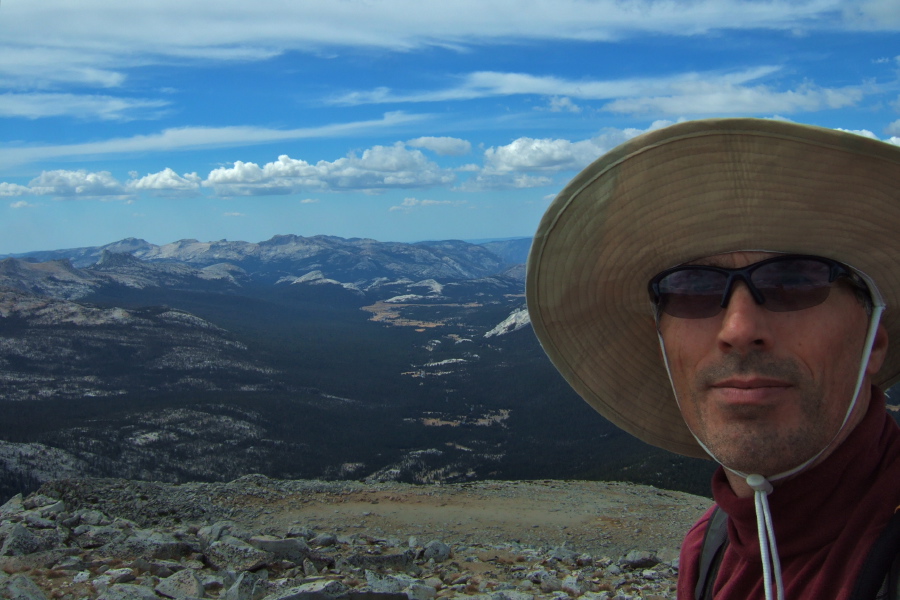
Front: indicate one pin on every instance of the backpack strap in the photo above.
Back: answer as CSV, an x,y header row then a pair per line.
x,y
881,565
714,542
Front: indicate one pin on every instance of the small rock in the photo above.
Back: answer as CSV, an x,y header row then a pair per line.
x,y
21,587
128,591
639,559
183,584
37,501
248,586
436,550
121,575
291,549
20,541
237,555
13,506
318,590
300,531
309,568
324,540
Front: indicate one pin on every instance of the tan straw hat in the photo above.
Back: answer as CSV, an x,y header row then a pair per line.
x,y
692,190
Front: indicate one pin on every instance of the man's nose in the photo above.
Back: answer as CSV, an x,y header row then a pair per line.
x,y
745,324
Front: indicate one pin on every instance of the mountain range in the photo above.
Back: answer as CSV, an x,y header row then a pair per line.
x,y
296,357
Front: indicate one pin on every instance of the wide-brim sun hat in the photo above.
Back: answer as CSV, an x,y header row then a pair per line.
x,y
688,191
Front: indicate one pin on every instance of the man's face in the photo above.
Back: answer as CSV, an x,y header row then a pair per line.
x,y
765,391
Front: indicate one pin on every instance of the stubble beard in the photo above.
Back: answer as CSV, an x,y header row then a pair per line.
x,y
748,440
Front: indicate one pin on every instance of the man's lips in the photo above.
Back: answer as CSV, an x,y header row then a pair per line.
x,y
750,383
754,390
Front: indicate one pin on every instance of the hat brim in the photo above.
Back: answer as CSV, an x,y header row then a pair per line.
x,y
692,190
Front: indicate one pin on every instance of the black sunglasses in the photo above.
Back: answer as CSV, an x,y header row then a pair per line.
x,y
780,284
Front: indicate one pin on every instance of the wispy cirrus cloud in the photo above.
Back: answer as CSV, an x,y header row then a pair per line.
x,y
187,138
409,204
708,99
443,146
710,93
486,84
93,107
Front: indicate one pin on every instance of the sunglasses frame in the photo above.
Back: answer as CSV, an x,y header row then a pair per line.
x,y
836,271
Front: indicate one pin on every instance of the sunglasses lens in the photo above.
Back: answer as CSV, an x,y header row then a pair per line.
x,y
785,285
792,284
692,293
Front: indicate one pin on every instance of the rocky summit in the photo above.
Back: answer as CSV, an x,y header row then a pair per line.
x,y
261,539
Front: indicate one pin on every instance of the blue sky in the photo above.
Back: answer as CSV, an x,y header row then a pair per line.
x,y
398,120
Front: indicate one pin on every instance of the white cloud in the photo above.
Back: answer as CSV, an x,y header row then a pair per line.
x,y
80,183
92,39
528,154
504,181
309,201
878,15
234,214
35,66
12,190
411,203
705,98
443,146
20,204
528,162
486,84
563,104
862,132
106,108
167,182
186,138
691,93
379,167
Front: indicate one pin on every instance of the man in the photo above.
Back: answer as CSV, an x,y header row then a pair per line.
x,y
717,288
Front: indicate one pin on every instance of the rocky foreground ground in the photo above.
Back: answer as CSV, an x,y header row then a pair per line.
x,y
262,539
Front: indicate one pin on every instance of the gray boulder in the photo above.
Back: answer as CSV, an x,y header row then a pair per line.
x,y
20,541
237,555
128,591
437,551
290,549
21,587
183,584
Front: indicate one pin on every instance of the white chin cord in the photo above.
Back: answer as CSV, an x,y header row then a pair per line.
x,y
762,486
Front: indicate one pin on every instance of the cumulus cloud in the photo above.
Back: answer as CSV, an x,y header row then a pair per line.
x,y
443,146
529,162
20,204
167,183
80,183
551,155
309,201
378,168
12,190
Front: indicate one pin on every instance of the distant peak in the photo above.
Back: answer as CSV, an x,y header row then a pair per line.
x,y
116,259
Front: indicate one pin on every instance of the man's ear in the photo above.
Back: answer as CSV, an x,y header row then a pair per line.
x,y
879,351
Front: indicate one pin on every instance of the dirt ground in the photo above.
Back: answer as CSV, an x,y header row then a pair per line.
x,y
593,517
